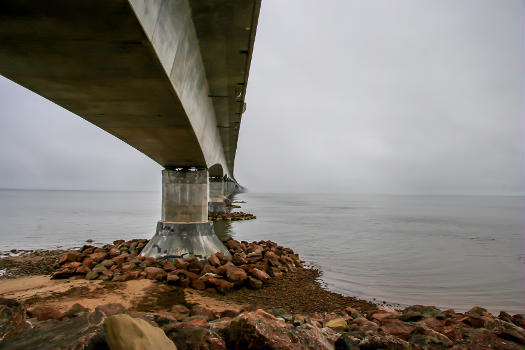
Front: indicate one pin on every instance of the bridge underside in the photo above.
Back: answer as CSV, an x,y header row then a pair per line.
x,y
168,77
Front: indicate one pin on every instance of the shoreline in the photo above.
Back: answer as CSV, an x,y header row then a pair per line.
x,y
262,283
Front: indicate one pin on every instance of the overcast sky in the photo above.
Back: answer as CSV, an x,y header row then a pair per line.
x,y
351,96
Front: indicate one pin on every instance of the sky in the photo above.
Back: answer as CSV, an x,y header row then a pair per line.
x,y
400,97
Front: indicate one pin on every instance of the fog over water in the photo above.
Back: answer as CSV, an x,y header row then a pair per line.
x,y
353,96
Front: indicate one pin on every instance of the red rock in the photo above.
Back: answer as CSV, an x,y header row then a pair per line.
x,y
208,269
260,275
239,259
82,270
45,312
129,266
114,252
198,284
98,256
184,282
254,257
223,258
509,331
221,285
261,330
89,262
275,272
192,337
180,264
71,257
428,337
254,283
384,342
111,309
134,274
12,318
119,260
168,266
75,310
155,273
172,278
273,258
122,278
180,309
398,328
519,320
63,273
475,321
118,242
107,263
383,315
203,311
236,275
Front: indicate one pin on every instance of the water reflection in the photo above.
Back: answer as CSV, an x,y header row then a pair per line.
x,y
223,229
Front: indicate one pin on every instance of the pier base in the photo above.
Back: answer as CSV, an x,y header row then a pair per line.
x,y
178,240
184,229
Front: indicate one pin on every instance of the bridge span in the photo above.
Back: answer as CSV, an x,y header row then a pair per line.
x,y
168,77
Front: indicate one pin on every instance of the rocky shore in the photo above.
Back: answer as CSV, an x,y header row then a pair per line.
x,y
231,216
261,298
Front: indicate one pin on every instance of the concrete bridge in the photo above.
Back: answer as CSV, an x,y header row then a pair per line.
x,y
168,77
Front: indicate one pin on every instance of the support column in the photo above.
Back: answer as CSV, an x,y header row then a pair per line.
x,y
184,229
217,203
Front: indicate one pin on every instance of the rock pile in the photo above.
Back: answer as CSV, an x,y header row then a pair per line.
x,y
252,265
197,327
230,216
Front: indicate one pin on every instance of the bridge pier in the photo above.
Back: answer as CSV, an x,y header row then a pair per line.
x,y
184,228
217,203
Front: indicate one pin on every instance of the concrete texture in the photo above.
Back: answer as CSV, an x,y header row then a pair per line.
x,y
168,77
185,195
177,240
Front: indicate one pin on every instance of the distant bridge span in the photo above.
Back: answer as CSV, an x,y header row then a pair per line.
x,y
167,77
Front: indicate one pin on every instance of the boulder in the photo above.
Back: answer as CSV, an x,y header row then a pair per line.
x,y
260,275
398,328
337,324
417,312
385,342
261,330
98,256
236,275
203,311
12,318
221,285
71,257
75,310
111,309
45,312
127,333
190,337
429,338
92,275
180,312
155,273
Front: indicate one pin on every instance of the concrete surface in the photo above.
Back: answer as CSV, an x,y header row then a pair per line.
x,y
177,240
168,77
185,195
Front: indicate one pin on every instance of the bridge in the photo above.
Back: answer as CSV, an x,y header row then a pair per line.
x,y
167,77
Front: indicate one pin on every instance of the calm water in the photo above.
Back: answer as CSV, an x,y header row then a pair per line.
x,y
450,251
